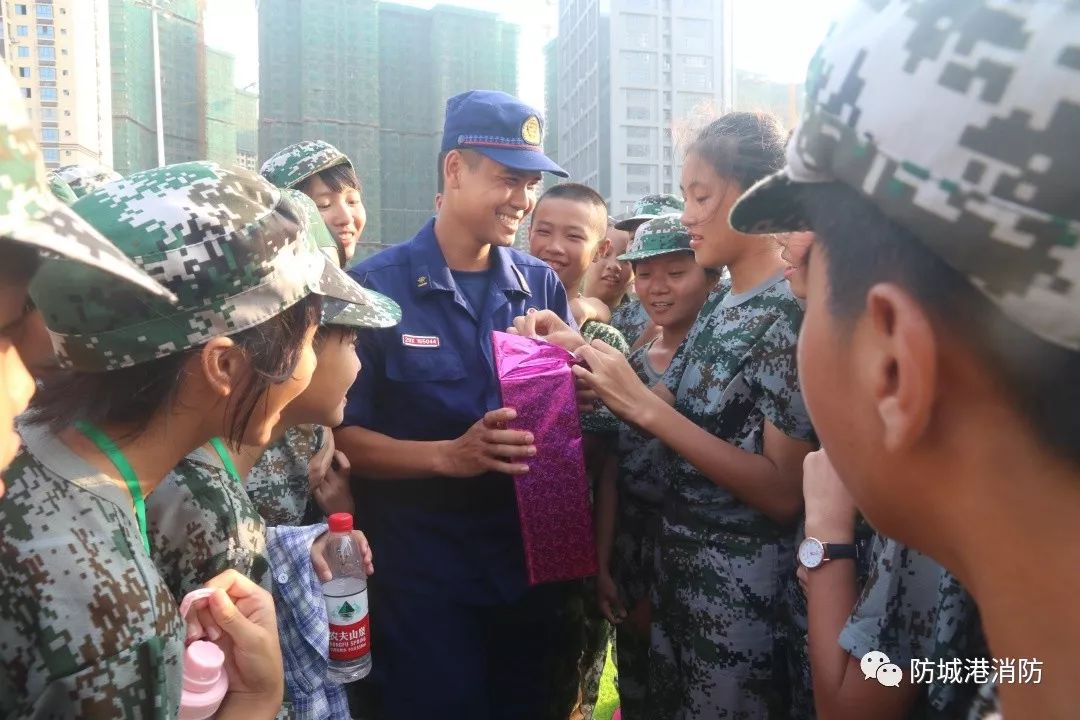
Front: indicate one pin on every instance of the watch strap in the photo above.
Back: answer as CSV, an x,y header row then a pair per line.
x,y
840,551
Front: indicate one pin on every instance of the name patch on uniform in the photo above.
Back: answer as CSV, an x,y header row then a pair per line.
x,y
422,341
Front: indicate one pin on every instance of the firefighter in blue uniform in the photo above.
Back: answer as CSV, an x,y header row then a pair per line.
x,y
457,632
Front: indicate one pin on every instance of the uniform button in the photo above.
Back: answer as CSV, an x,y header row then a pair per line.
x,y
283,578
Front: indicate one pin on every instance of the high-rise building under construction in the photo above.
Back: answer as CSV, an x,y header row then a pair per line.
x,y
373,79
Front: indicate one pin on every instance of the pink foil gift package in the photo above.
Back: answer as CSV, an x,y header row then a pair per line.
x,y
553,497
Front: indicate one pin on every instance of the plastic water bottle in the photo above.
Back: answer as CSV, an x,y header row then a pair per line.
x,y
346,605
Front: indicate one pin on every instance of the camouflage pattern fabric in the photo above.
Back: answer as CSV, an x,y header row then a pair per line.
x,y
718,591
986,705
291,166
61,190
31,214
958,121
649,207
602,422
201,523
912,608
640,488
630,318
383,312
84,179
315,225
660,236
217,238
88,628
278,483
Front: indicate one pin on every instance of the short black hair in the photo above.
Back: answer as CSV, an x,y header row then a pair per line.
x,y
866,248
742,146
472,159
339,178
342,333
582,194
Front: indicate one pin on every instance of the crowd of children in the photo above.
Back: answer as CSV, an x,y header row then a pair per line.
x,y
829,406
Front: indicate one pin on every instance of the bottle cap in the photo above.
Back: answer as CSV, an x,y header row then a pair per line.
x,y
203,664
340,522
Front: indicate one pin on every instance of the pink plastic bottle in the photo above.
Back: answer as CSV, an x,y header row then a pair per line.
x,y
205,681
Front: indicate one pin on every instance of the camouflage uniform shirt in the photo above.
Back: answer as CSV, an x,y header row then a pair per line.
x,y
736,371
201,523
278,483
88,627
718,590
641,485
629,318
912,608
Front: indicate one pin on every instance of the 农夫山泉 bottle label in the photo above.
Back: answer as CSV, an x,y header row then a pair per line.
x,y
350,628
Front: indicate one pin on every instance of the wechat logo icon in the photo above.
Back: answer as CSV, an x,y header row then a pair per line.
x,y
876,664
346,610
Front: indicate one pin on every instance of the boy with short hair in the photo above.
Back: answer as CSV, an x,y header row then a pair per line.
x,y
940,351
568,232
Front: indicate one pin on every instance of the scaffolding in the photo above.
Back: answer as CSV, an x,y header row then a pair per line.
x,y
183,82
373,79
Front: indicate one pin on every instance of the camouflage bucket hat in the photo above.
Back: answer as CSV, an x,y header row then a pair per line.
x,y
660,236
291,166
379,312
85,179
232,248
61,190
32,215
959,121
649,207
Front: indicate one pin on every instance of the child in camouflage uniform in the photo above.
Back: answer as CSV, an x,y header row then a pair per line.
x,y
301,457
737,436
630,317
936,164
92,630
567,231
907,606
327,176
673,288
200,518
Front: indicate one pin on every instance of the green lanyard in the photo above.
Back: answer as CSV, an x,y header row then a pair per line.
x,y
107,446
226,460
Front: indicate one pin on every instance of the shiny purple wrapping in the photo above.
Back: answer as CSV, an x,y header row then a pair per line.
x,y
553,497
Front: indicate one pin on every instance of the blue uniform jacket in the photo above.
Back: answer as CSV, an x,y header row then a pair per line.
x,y
430,378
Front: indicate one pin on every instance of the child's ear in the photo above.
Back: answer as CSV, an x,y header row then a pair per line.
x,y
602,249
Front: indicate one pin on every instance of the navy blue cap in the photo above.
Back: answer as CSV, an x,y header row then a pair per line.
x,y
499,126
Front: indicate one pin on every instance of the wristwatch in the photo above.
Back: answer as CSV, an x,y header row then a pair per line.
x,y
813,553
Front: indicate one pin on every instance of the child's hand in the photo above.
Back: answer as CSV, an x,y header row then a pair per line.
x,y
318,555
332,491
607,598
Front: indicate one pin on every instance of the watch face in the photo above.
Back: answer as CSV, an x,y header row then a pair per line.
x,y
811,552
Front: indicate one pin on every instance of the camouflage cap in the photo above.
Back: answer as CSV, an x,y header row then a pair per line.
x,y
958,120
61,190
660,236
85,179
234,250
649,207
291,166
31,214
379,312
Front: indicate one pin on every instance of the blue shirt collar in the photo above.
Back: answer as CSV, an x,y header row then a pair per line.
x,y
430,274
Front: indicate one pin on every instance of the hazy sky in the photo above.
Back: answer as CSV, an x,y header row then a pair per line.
x,y
773,37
